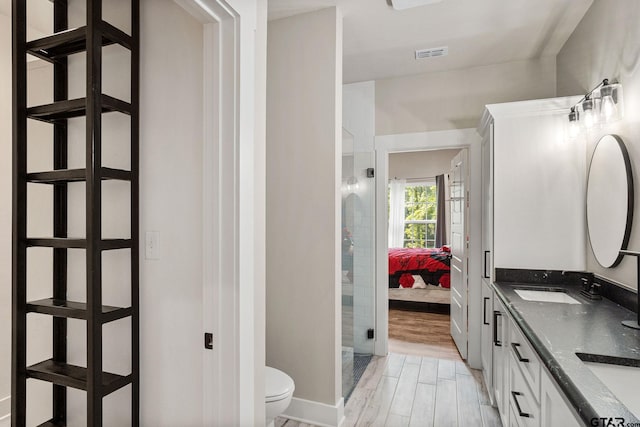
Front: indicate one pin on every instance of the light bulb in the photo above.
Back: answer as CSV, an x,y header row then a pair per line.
x,y
589,117
609,109
574,129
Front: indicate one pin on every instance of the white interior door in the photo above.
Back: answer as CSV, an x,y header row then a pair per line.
x,y
459,248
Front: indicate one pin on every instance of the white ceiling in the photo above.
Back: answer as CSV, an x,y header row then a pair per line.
x,y
380,42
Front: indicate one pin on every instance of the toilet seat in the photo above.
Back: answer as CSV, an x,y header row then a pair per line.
x,y
278,385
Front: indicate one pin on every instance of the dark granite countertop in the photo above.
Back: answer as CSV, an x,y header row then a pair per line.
x,y
559,331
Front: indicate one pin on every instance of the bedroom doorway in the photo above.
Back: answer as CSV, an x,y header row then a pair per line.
x,y
419,245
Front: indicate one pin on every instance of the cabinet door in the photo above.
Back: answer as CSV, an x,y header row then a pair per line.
x,y
487,205
501,358
487,337
554,411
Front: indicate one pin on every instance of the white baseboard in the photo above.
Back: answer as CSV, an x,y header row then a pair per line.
x,y
5,410
316,413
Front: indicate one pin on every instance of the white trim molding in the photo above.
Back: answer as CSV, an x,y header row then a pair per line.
x,y
316,413
233,386
425,141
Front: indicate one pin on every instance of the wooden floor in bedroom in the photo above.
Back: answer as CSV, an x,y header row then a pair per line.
x,y
421,333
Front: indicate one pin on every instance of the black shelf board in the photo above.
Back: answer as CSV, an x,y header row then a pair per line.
x,y
75,310
65,43
63,176
109,244
66,243
57,242
71,108
52,423
73,376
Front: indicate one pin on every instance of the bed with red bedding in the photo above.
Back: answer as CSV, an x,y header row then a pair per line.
x,y
432,264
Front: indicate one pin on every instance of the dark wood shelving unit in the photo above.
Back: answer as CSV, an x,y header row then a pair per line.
x,y
65,243
56,49
64,176
75,310
64,43
69,109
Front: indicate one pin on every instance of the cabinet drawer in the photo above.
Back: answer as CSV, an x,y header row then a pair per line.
x,y
526,359
514,419
522,404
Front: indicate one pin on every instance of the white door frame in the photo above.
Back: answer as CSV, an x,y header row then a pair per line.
x,y
424,141
233,371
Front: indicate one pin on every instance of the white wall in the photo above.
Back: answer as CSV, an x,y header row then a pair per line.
x,y
420,164
304,102
170,188
606,44
455,99
358,115
260,206
171,196
5,215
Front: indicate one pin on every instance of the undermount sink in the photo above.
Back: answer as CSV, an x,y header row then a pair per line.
x,y
557,296
619,375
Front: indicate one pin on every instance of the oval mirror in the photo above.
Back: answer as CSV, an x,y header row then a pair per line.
x,y
609,200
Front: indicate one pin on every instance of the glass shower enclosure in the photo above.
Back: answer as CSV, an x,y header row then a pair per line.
x,y
357,254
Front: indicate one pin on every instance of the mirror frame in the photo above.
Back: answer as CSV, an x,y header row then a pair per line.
x,y
630,199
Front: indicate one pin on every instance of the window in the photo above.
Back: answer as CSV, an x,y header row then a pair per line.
x,y
420,207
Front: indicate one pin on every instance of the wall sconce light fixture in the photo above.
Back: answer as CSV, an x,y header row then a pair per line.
x,y
603,104
352,184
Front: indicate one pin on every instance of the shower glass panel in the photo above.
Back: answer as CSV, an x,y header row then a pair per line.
x,y
358,291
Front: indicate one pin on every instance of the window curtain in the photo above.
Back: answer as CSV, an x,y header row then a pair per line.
x,y
396,213
441,216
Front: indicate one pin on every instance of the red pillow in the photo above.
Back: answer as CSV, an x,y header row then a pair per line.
x,y
406,280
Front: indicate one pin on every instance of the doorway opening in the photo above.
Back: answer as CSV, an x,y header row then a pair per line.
x,y
419,206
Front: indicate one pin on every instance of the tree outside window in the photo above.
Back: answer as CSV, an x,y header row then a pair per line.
x,y
420,203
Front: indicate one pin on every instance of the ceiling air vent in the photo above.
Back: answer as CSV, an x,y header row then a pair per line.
x,y
408,4
432,52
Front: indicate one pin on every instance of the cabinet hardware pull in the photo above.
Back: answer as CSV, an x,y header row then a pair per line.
x,y
515,395
514,346
485,275
496,341
484,311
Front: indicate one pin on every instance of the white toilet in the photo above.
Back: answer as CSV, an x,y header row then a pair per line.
x,y
279,390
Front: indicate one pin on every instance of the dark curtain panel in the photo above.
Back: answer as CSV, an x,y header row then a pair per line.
x,y
441,220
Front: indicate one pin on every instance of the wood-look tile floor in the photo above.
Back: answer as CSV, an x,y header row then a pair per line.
x,y
423,382
408,390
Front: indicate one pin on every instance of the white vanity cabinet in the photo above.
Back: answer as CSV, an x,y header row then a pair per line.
x,y
532,207
554,409
486,343
533,181
524,380
525,393
501,325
